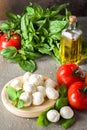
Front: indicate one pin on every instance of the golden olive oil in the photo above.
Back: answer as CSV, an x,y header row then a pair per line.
x,y
71,43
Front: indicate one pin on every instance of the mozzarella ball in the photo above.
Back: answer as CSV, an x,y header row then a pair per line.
x,y
53,115
29,87
50,83
66,112
42,90
52,93
36,79
16,83
26,76
38,98
27,98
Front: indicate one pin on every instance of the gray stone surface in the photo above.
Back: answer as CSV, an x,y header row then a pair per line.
x,y
46,66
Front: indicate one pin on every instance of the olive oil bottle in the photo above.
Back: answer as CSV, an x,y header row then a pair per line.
x,y
71,42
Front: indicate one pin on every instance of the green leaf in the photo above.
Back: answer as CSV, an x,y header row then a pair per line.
x,y
39,29
45,49
55,36
19,93
38,11
24,27
40,23
33,55
62,91
20,104
42,120
16,58
56,51
56,9
66,123
68,13
60,102
31,27
9,52
11,93
12,16
27,65
29,10
56,26
5,26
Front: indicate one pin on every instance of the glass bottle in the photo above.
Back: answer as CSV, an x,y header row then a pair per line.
x,y
71,42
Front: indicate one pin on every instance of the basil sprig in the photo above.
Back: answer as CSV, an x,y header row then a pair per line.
x,y
40,30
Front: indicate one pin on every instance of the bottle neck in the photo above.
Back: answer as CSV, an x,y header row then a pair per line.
x,y
72,26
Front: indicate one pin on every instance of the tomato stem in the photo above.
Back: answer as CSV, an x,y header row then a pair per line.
x,y
76,72
83,90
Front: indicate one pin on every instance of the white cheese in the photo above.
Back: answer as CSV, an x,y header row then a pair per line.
x,y
36,79
38,98
53,115
66,112
29,87
52,93
27,98
50,83
26,76
16,83
42,89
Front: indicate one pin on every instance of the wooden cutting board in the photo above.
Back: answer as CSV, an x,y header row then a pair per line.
x,y
27,112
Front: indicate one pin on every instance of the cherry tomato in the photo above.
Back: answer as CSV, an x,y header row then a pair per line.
x,y
68,74
13,40
77,95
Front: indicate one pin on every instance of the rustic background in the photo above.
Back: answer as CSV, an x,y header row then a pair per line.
x,y
77,7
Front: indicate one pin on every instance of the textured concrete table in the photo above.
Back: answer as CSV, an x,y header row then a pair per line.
x,y
46,66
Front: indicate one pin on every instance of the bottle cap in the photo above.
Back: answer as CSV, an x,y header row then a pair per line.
x,y
72,19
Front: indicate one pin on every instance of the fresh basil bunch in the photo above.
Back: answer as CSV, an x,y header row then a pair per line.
x,y
40,30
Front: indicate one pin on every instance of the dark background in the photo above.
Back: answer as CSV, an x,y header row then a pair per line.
x,y
77,7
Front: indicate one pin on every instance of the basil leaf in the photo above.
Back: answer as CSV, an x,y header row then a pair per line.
x,y
12,16
20,103
24,27
42,120
56,9
11,93
33,55
39,29
56,26
45,49
19,93
5,26
66,123
9,52
60,102
29,10
31,27
27,65
38,11
62,91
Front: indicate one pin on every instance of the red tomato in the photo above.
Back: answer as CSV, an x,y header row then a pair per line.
x,y
68,74
13,40
77,95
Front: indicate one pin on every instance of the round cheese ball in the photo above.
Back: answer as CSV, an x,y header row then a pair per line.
x,y
52,93
16,83
66,112
53,115
38,98
27,98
